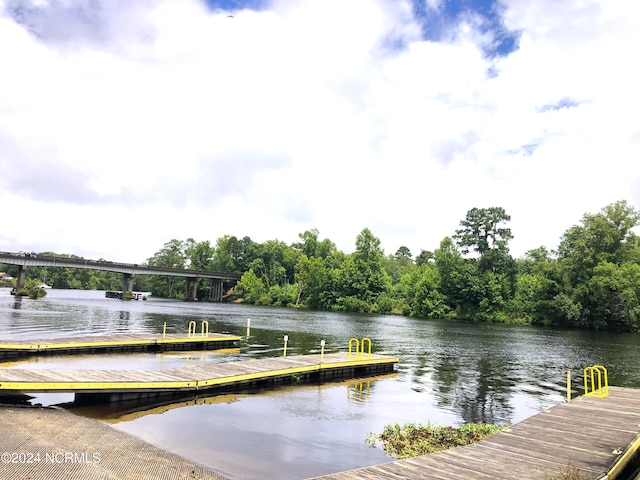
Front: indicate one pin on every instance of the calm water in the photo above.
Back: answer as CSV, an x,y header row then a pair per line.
x,y
449,373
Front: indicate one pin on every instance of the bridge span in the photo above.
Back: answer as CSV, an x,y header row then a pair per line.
x,y
128,270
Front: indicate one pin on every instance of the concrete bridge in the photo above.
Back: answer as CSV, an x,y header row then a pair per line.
x,y
128,270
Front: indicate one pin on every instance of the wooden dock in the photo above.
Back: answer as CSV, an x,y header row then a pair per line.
x,y
117,343
53,444
597,436
119,385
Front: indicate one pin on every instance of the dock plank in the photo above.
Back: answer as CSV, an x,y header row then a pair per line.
x,y
596,435
194,377
120,342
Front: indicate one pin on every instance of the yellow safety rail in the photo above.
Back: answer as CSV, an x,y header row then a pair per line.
x,y
357,343
365,340
590,381
359,350
192,329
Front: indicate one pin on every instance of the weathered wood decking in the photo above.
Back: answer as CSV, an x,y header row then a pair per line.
x,y
53,444
598,436
115,385
116,343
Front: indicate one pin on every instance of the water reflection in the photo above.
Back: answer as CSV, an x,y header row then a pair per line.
x,y
17,304
486,398
286,433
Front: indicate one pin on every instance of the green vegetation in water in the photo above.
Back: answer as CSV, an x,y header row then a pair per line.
x,y
570,472
411,440
32,289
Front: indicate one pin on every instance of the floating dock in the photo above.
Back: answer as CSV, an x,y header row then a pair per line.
x,y
100,386
53,444
117,343
597,437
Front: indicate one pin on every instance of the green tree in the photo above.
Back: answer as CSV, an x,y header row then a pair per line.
x,y
451,270
199,255
425,256
591,257
602,237
482,230
398,264
171,255
233,255
362,277
616,292
252,288
537,285
427,300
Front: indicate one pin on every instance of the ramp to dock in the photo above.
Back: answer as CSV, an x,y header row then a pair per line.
x,y
117,385
116,343
596,436
53,444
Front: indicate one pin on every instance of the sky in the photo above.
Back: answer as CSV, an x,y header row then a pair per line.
x,y
125,124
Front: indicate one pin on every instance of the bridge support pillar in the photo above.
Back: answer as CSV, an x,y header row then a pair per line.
x,y
215,293
191,289
127,282
22,276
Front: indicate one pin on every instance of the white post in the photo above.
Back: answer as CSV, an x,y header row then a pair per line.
x,y
248,327
286,339
322,351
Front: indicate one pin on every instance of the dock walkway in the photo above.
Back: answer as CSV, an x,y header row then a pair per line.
x,y
116,385
598,436
53,444
116,343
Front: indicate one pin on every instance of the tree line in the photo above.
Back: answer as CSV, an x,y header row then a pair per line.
x,y
591,281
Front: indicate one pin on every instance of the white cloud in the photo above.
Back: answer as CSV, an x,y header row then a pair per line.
x,y
166,120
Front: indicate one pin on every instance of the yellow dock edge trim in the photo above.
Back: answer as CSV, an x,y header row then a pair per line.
x,y
56,346
116,343
197,339
622,462
93,386
359,362
293,371
10,347
258,375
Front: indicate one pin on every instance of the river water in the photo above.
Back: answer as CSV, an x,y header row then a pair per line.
x,y
450,373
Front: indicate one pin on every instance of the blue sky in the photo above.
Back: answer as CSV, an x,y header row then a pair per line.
x,y
436,19
169,119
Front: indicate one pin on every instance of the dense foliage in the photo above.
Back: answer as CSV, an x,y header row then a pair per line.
x,y
411,440
591,281
31,289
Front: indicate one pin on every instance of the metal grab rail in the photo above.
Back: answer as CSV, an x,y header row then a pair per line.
x,y
192,329
359,351
365,340
351,342
590,381
205,330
